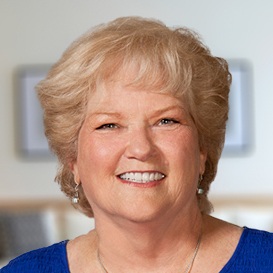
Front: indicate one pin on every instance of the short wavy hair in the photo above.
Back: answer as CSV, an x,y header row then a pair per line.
x,y
171,60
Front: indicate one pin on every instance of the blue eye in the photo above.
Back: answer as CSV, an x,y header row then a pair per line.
x,y
107,126
167,121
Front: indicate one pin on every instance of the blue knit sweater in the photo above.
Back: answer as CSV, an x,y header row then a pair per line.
x,y
254,253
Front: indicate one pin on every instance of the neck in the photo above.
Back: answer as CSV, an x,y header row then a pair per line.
x,y
150,246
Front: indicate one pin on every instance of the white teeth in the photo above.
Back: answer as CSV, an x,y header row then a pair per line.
x,y
142,177
138,177
146,177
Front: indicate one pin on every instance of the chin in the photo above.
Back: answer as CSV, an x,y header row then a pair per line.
x,y
142,214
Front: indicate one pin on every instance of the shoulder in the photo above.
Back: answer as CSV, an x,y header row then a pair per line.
x,y
256,233
255,241
44,260
254,252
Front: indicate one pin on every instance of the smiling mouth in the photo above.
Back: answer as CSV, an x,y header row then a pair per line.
x,y
142,177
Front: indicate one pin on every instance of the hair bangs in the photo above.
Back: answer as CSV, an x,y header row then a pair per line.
x,y
159,71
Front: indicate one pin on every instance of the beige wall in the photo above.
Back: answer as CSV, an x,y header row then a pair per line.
x,y
36,32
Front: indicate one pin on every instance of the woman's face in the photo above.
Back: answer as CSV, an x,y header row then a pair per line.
x,y
138,154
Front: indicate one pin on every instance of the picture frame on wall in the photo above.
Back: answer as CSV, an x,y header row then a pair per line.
x,y
239,131
31,141
33,144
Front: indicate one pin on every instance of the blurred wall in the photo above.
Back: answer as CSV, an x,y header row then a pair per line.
x,y
37,32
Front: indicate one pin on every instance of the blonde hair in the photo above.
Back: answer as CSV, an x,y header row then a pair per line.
x,y
168,59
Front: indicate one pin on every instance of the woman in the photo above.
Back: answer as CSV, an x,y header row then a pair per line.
x,y
136,113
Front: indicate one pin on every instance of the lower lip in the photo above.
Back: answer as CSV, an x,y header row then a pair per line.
x,y
151,184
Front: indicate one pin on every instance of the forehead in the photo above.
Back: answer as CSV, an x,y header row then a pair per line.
x,y
130,78
137,76
119,96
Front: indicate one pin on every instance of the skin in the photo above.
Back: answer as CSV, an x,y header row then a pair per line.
x,y
142,227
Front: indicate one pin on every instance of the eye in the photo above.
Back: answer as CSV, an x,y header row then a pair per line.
x,y
167,121
107,126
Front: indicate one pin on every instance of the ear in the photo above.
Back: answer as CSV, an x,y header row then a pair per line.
x,y
73,166
203,159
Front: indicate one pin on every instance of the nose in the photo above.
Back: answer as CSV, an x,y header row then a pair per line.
x,y
140,144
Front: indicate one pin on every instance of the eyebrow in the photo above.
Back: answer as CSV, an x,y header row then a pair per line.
x,y
105,114
154,113
169,108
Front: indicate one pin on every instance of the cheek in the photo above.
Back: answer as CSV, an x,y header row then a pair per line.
x,y
96,154
181,143
182,152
